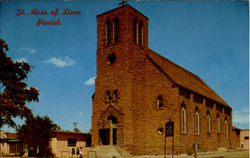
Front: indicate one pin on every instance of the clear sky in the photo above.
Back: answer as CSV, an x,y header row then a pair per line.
x,y
210,39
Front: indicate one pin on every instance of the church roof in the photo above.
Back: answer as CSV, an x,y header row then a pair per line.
x,y
127,6
182,77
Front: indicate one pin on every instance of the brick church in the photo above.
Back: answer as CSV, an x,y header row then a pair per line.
x,y
137,91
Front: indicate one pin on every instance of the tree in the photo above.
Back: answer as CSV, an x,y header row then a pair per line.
x,y
14,92
37,132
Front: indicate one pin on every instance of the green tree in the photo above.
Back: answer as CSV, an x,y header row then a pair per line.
x,y
14,92
37,132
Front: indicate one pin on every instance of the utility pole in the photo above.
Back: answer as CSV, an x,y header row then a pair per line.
x,y
75,123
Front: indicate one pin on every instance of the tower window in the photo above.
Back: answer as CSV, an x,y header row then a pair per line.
x,y
115,33
135,31
115,94
140,34
111,58
108,96
108,32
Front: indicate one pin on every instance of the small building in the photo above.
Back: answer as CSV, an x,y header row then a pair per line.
x,y
62,144
244,138
9,144
65,143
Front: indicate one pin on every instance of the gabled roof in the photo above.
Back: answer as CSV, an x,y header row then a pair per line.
x,y
182,77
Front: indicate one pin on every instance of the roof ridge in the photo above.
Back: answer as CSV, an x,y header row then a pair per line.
x,y
185,70
159,68
176,75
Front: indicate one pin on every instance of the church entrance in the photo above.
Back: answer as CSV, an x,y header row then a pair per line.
x,y
104,136
108,136
114,136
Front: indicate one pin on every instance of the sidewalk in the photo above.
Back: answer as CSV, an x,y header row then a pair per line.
x,y
214,154
227,154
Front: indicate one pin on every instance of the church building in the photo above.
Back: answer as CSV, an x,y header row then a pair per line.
x,y
137,91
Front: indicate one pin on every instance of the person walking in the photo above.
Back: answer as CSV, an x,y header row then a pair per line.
x,y
77,152
242,144
73,152
80,152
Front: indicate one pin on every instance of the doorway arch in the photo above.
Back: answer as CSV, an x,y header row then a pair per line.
x,y
108,127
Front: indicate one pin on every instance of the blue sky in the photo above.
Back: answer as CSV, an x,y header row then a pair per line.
x,y
210,39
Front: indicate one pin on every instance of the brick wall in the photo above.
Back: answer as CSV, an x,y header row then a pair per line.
x,y
236,138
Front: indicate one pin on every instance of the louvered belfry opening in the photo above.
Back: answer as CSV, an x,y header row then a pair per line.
x,y
135,31
116,31
140,34
108,32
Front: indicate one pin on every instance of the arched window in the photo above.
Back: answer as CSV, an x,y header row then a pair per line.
x,y
226,128
196,122
108,96
135,31
208,123
159,102
115,94
183,119
218,123
108,32
112,118
140,34
115,30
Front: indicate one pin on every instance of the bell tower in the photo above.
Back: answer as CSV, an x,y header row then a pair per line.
x,y
120,25
122,38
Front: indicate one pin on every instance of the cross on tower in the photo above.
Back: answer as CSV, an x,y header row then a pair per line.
x,y
123,2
